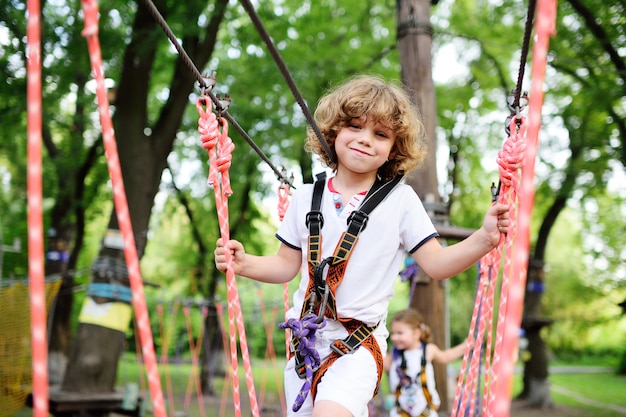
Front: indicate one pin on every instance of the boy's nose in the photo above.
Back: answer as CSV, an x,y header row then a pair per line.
x,y
366,137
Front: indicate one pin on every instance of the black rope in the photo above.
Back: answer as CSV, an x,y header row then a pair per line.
x,y
206,88
286,75
524,55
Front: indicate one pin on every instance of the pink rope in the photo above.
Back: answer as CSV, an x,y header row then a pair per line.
x,y
230,377
195,348
510,160
284,193
220,148
90,9
164,351
517,189
544,28
36,275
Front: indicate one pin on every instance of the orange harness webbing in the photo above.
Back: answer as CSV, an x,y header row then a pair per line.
x,y
320,294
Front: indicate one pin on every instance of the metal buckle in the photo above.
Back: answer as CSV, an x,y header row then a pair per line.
x,y
360,218
315,216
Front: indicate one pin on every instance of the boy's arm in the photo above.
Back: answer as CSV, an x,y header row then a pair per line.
x,y
278,268
443,262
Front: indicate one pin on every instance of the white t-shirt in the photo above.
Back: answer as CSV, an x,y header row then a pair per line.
x,y
399,224
412,399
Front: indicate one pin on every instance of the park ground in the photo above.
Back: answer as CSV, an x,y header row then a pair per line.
x,y
221,406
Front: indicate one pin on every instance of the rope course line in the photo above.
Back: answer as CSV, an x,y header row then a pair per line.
x,y
90,11
516,165
206,84
195,346
215,139
247,5
528,28
37,292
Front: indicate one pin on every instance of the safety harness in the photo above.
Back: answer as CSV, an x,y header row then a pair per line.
x,y
430,406
319,302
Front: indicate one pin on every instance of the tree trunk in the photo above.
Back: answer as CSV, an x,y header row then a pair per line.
x,y
415,48
57,257
536,389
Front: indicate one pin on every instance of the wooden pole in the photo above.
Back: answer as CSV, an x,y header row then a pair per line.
x,y
414,34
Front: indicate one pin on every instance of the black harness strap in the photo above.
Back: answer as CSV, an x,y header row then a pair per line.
x,y
320,294
357,221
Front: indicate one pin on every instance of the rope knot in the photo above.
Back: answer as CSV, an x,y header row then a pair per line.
x,y
207,124
284,192
225,157
511,157
303,332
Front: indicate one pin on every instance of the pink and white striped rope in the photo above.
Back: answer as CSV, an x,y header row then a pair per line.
x,y
36,275
518,191
284,194
510,160
90,10
220,147
544,28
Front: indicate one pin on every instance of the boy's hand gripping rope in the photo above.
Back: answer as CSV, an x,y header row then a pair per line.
x,y
303,333
220,148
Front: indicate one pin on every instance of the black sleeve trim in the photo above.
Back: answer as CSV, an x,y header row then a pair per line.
x,y
287,243
419,245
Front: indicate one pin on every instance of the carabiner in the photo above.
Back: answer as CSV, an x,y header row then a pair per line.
x,y
322,310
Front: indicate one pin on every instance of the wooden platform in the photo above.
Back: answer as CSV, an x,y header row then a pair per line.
x,y
70,404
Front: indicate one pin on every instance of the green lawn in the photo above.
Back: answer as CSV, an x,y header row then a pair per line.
x,y
602,388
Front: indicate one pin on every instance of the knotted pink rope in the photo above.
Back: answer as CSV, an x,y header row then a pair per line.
x,y
519,151
520,253
220,147
284,193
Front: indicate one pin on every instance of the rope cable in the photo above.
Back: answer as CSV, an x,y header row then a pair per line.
x,y
286,75
524,53
518,151
206,86
37,294
90,11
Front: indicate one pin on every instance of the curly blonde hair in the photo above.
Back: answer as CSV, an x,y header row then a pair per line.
x,y
414,319
384,103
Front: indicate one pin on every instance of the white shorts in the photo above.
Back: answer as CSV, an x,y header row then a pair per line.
x,y
350,381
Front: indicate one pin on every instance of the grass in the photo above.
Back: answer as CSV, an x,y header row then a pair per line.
x,y
602,388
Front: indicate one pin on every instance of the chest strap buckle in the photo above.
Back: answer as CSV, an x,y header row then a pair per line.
x,y
351,343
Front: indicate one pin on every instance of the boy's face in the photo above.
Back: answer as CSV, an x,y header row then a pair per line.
x,y
363,145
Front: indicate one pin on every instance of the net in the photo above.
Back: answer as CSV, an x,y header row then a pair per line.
x,y
15,346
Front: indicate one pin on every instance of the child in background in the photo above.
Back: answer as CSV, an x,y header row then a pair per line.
x,y
410,366
375,136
